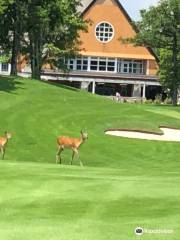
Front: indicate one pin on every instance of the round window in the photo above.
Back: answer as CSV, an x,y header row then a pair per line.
x,y
104,32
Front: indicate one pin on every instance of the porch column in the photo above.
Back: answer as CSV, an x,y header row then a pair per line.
x,y
93,87
9,68
144,90
137,90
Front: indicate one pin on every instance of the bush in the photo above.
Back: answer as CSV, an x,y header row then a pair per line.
x,y
168,101
158,99
148,101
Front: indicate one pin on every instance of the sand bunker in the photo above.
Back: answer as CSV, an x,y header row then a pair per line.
x,y
169,134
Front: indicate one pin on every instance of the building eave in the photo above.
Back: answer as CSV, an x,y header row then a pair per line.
x,y
116,55
106,76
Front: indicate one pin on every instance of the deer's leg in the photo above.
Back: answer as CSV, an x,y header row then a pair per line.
x,y
58,154
73,154
75,151
2,152
81,164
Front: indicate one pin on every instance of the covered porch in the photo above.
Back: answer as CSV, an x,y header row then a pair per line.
x,y
136,86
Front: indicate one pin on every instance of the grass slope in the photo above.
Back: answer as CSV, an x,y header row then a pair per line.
x,y
36,113
125,182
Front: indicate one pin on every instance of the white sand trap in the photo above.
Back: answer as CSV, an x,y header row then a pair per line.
x,y
169,134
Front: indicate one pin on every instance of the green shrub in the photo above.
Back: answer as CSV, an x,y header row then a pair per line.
x,y
158,99
168,101
148,101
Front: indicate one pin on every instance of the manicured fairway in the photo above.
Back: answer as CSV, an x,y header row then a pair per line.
x,y
125,182
41,201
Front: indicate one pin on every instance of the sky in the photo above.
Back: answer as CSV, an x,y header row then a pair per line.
x,y
133,6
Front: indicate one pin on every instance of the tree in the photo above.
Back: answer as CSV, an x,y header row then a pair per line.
x,y
64,39
159,28
165,72
52,28
4,4
42,29
11,21
17,32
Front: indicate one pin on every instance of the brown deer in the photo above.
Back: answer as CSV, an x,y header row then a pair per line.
x,y
3,143
72,143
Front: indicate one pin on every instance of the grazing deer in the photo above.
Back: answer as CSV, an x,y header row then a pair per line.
x,y
72,143
3,143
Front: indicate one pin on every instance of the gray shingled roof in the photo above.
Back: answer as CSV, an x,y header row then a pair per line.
x,y
85,4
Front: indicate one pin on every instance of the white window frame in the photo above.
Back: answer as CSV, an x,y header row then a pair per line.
x,y
6,70
69,64
114,66
82,65
134,67
104,32
97,66
106,60
130,65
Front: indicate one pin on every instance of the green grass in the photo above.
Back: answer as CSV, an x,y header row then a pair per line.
x,y
125,182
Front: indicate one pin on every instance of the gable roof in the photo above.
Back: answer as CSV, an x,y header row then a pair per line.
x,y
86,5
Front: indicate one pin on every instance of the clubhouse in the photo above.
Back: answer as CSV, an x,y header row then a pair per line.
x,y
106,64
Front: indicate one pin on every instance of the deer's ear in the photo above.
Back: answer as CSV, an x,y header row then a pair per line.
x,y
81,132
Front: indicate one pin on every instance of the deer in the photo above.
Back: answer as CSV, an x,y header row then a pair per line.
x,y
71,143
3,142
